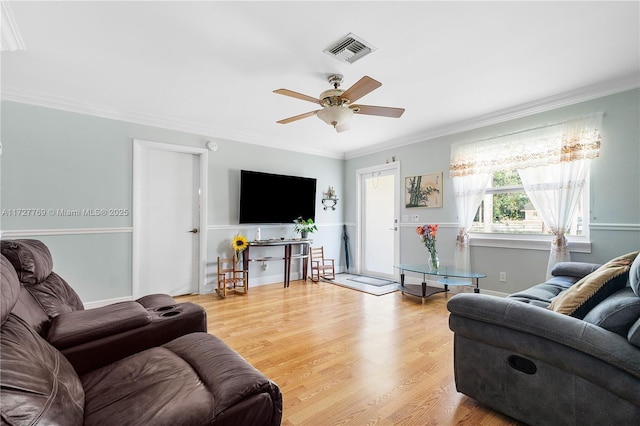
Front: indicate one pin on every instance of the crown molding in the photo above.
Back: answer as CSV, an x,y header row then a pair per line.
x,y
582,94
11,38
153,120
586,93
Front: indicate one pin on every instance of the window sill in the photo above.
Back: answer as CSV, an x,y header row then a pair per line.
x,y
526,242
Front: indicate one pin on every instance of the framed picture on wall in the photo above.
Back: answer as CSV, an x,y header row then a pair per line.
x,y
423,191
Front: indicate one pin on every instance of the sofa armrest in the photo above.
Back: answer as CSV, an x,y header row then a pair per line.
x,y
167,323
77,327
545,324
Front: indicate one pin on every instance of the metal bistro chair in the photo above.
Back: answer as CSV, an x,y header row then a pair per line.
x,y
230,278
321,268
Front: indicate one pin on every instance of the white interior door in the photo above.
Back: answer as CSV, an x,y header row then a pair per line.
x,y
168,222
378,221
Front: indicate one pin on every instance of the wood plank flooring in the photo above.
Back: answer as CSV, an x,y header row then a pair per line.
x,y
342,357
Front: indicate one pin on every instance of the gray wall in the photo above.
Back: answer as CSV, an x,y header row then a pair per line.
x,y
615,193
61,160
53,159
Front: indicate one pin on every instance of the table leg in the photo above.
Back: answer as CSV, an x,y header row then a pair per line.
x,y
305,261
287,264
477,289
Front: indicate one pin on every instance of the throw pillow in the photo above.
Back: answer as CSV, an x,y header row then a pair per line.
x,y
617,313
581,297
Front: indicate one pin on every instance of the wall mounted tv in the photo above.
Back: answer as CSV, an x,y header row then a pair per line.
x,y
272,198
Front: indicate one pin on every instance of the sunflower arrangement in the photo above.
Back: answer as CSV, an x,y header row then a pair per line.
x,y
238,243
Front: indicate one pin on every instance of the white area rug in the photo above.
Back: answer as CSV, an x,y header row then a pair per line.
x,y
358,282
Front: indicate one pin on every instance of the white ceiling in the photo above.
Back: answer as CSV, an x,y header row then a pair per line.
x,y
210,67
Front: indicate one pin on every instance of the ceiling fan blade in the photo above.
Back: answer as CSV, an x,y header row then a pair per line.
x,y
377,110
297,117
296,95
363,86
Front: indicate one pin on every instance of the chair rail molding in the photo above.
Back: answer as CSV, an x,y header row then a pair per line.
x,y
19,233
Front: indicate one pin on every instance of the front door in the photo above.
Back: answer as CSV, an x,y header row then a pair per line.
x,y
378,220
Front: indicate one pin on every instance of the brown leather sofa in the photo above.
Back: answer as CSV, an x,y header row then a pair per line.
x,y
192,380
92,338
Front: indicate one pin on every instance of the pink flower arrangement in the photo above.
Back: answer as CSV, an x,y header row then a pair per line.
x,y
427,234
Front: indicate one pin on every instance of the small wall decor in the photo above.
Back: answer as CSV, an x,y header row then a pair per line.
x,y
423,191
329,199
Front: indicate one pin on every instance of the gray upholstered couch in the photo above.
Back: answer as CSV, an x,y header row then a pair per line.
x,y
542,367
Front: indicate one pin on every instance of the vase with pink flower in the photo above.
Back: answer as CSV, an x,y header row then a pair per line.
x,y
427,234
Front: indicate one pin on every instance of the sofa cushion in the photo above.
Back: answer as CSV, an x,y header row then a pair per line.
x,y
616,313
39,385
229,377
634,276
573,269
634,334
55,296
31,258
31,312
78,327
34,265
595,287
542,294
154,387
10,287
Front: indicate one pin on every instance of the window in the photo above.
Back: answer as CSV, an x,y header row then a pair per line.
x,y
506,209
552,163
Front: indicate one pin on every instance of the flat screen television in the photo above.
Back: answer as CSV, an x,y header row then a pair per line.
x,y
272,198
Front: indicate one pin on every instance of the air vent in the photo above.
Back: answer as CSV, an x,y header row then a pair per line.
x,y
349,49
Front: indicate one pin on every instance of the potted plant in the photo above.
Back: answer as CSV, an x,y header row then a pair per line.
x,y
304,227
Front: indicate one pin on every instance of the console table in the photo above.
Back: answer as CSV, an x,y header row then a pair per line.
x,y
446,275
303,253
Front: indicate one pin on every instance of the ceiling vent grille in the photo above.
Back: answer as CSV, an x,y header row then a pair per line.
x,y
349,49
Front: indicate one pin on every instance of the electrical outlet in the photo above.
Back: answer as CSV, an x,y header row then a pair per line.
x,y
415,218
503,277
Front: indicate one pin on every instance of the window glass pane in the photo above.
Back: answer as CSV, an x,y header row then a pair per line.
x,y
506,178
506,209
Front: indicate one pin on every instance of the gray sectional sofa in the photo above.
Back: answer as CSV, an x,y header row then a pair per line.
x,y
521,356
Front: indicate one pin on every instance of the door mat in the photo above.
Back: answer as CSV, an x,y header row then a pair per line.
x,y
345,280
378,282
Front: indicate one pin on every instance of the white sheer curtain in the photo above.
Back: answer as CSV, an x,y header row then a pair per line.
x,y
555,191
468,191
553,161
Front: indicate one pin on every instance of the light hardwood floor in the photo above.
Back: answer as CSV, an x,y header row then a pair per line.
x,y
342,357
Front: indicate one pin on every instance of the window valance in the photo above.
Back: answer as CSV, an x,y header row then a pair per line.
x,y
574,139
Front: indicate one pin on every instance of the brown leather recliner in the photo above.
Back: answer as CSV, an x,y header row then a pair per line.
x,y
92,338
193,380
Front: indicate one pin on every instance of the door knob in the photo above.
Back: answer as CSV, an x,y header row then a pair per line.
x,y
194,231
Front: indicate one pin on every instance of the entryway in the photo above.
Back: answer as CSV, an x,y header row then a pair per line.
x,y
378,209
169,218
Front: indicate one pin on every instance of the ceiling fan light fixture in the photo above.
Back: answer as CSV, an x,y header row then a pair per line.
x,y
335,115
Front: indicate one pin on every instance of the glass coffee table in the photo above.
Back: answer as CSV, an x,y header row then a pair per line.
x,y
446,275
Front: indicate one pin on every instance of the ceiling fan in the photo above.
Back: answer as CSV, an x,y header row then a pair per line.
x,y
338,105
